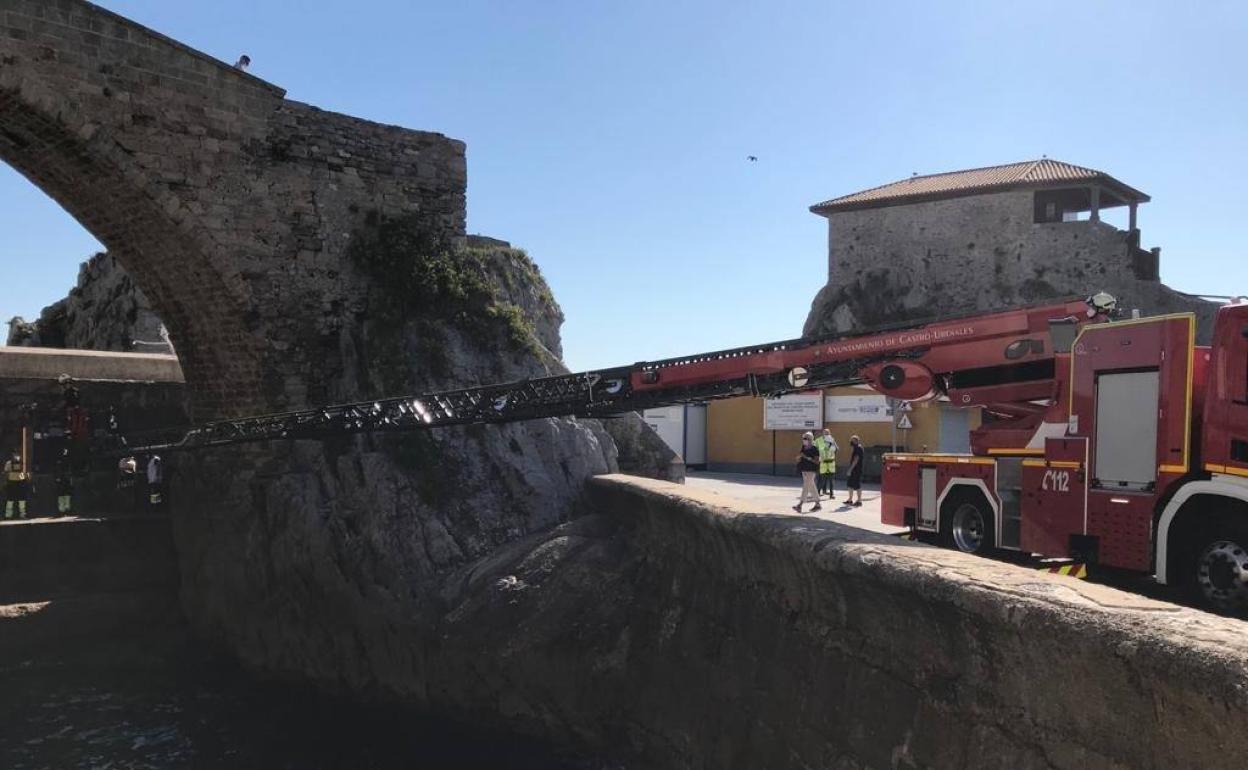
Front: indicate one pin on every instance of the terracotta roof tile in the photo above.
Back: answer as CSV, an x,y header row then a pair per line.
x,y
953,184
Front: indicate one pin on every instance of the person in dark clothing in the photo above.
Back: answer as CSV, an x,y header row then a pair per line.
x,y
64,484
854,480
127,482
155,482
808,466
77,425
115,439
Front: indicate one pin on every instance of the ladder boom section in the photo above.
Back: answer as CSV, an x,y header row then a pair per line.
x,y
893,361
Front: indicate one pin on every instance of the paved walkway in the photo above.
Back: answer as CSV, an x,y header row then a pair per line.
x,y
778,494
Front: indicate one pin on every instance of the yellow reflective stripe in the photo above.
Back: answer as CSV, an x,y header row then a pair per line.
x,y
1191,374
1172,469
1228,469
939,458
1052,464
1079,571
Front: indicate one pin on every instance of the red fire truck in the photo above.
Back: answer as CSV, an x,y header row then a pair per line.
x,y
1133,454
1118,443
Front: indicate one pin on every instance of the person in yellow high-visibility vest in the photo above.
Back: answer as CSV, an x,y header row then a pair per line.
x,y
16,487
827,461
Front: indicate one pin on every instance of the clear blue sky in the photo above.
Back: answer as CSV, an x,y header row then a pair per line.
x,y
609,139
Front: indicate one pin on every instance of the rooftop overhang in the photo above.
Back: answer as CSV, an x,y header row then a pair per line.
x,y
1113,193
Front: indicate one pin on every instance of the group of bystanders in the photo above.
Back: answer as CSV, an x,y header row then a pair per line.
x,y
816,462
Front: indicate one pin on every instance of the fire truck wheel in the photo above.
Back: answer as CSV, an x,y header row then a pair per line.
x,y
1219,572
968,528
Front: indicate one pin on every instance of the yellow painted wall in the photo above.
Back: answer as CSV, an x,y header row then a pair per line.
x,y
737,442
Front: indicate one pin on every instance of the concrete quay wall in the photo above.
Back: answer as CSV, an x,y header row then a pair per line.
x,y
722,637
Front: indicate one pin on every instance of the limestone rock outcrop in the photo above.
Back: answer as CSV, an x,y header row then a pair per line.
x,y
105,310
331,560
897,292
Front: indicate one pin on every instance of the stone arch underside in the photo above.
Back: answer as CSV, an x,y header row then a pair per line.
x,y
231,206
89,175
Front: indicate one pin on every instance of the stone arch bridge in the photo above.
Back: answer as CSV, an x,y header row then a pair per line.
x,y
229,204
685,630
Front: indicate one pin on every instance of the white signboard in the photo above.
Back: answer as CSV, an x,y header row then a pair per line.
x,y
867,408
669,423
800,411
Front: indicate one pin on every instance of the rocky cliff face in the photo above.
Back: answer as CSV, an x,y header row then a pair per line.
x,y
891,294
336,561
333,560
105,310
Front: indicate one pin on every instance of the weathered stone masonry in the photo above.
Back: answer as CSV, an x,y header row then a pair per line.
x,y
899,259
228,203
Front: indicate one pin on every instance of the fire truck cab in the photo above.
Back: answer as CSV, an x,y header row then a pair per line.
x,y
1136,458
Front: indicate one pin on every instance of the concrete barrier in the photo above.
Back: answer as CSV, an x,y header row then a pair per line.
x,y
685,629
17,363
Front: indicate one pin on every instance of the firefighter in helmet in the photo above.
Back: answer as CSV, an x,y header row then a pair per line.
x,y
127,480
16,487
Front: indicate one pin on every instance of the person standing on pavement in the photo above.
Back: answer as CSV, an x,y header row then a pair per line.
x,y
808,466
16,487
854,480
127,481
827,461
64,484
155,482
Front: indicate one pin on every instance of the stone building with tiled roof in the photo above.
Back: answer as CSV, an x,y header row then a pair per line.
x,y
986,238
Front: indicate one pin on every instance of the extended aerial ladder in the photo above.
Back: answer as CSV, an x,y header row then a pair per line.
x,y
1001,360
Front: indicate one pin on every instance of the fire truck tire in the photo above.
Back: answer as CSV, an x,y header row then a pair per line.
x,y
1216,570
966,524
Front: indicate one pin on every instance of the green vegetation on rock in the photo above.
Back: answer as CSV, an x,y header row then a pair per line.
x,y
420,279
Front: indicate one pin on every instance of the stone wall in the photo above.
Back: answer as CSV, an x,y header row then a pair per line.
x,y
77,585
685,629
976,253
